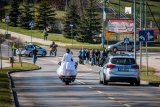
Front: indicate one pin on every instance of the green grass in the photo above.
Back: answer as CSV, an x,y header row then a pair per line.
x,y
39,34
151,78
5,93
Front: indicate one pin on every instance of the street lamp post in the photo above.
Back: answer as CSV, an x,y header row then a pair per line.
x,y
71,25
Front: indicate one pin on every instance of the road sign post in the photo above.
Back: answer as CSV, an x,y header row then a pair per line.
x,y
31,24
71,25
146,36
126,41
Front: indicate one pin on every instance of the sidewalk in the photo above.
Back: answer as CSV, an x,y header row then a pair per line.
x,y
5,63
26,38
153,61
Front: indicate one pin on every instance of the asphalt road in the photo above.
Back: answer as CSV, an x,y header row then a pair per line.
x,y
43,88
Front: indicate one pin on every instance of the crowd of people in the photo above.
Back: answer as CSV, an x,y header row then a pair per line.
x,y
93,56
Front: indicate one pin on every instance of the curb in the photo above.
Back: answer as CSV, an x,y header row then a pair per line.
x,y
150,83
12,85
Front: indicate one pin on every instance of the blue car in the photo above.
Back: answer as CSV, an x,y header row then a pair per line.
x,y
27,50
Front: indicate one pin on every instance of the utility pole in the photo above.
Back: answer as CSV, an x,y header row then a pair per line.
x,y
140,5
103,22
134,29
119,9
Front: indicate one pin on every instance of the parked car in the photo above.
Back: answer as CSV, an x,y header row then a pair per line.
x,y
120,68
27,50
121,46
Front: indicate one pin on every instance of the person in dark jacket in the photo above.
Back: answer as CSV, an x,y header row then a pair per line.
x,y
35,55
87,55
98,54
92,55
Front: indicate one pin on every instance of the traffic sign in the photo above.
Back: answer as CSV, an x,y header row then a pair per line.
x,y
31,24
146,35
126,40
108,35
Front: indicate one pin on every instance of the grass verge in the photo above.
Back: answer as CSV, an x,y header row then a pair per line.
x,y
151,78
5,93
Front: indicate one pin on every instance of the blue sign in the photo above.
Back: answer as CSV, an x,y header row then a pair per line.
x,y
126,40
146,35
31,24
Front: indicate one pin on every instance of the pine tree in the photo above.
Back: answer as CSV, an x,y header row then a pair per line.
x,y
90,23
14,13
45,15
27,14
71,17
2,10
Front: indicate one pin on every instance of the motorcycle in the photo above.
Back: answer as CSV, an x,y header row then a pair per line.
x,y
68,79
53,50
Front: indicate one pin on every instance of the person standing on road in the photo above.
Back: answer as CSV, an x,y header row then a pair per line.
x,y
35,55
98,54
92,57
87,56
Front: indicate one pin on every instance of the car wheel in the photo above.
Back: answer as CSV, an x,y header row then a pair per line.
x,y
115,49
30,54
44,53
104,81
137,83
132,49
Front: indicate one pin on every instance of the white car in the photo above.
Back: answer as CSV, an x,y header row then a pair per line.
x,y
27,50
120,68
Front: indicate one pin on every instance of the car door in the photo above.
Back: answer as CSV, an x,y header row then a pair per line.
x,y
130,46
40,50
121,46
29,49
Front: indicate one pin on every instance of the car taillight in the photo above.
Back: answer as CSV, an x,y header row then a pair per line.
x,y
110,65
135,66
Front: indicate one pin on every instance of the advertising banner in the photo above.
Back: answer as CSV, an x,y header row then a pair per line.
x,y
121,26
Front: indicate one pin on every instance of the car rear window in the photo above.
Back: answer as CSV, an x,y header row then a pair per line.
x,y
123,61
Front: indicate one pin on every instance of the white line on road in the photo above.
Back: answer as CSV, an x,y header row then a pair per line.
x,y
127,105
80,81
90,87
100,92
111,98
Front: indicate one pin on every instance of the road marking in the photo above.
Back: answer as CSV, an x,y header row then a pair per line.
x,y
111,98
100,92
80,81
127,105
90,87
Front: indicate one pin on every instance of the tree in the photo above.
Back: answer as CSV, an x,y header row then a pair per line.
x,y
14,13
2,9
90,23
27,15
45,15
71,18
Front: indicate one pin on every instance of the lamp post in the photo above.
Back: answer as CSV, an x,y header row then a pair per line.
x,y
71,25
